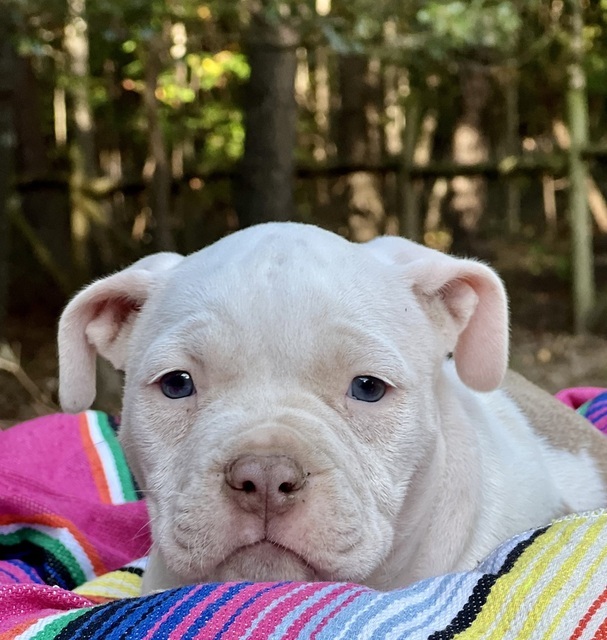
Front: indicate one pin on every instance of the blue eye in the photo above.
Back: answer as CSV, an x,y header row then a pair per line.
x,y
177,384
367,389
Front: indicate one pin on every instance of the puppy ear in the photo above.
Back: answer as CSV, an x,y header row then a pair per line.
x,y
467,302
464,299
100,319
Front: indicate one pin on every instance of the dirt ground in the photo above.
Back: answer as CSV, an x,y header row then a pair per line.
x,y
552,360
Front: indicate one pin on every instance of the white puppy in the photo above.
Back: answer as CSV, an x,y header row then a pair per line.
x,y
298,407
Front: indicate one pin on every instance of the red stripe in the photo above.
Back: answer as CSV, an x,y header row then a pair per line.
x,y
307,614
323,623
57,522
583,623
601,632
95,463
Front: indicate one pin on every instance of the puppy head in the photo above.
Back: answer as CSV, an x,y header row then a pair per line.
x,y
279,393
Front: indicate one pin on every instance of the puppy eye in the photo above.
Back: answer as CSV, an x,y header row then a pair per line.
x,y
177,384
367,389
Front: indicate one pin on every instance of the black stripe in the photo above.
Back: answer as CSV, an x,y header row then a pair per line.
x,y
467,615
50,569
136,570
92,624
114,423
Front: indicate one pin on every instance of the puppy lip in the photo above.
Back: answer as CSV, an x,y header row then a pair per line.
x,y
267,542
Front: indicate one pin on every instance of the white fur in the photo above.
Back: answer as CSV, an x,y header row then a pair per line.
x,y
273,323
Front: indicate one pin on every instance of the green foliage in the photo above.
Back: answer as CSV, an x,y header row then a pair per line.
x,y
470,25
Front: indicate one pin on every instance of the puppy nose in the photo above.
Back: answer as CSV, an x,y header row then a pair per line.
x,y
266,485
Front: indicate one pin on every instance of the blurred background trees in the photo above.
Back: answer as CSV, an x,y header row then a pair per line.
x,y
476,126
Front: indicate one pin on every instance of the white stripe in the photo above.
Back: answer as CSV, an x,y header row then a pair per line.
x,y
108,462
440,613
594,587
296,612
393,609
524,576
267,610
595,622
40,625
361,612
61,534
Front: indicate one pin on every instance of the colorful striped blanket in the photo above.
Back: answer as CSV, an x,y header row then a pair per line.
x,y
73,538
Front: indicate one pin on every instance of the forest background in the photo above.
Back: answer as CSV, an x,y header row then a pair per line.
x,y
131,126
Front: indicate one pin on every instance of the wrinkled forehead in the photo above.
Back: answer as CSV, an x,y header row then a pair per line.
x,y
286,273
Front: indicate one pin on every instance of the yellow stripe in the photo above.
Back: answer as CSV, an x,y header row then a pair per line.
x,y
113,585
583,585
556,583
539,551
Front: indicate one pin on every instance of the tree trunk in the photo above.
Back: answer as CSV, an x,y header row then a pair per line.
x,y
82,153
162,178
46,208
410,218
265,189
7,148
363,200
584,292
511,143
469,147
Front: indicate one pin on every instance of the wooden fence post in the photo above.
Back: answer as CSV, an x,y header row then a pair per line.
x,y
584,292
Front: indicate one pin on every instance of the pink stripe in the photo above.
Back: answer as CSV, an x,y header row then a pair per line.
x,y
26,603
270,621
226,611
304,616
323,623
11,574
189,595
575,397
244,621
192,615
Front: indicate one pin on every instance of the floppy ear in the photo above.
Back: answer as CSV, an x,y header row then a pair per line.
x,y
100,319
465,300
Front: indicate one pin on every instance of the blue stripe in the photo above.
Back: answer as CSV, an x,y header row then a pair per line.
x,y
597,408
245,605
296,612
455,583
317,618
401,595
380,603
27,569
210,610
339,620
125,627
100,621
10,575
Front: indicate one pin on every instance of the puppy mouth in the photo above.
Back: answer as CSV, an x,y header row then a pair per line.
x,y
268,546
266,560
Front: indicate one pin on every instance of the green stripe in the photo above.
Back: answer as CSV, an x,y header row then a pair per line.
x,y
55,627
124,473
53,546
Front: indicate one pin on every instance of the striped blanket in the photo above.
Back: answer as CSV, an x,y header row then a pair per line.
x,y
73,538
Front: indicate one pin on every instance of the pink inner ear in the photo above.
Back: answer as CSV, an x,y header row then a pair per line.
x,y
112,314
98,319
474,299
481,352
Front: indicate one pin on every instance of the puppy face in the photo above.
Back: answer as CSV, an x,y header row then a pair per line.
x,y
279,400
